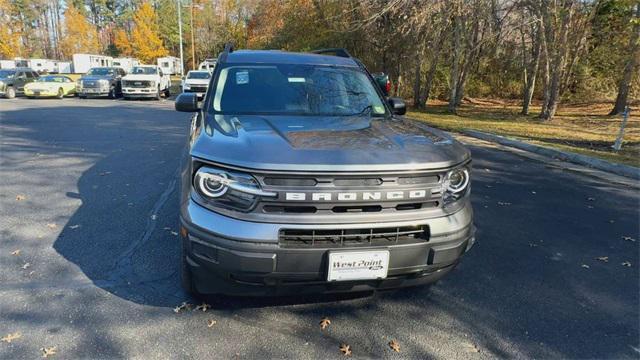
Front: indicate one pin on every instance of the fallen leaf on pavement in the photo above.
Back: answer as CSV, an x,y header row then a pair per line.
x,y
324,323
26,266
211,322
394,345
105,173
21,197
471,348
628,238
73,227
154,216
603,258
52,225
626,263
166,228
533,192
15,252
49,351
501,203
345,349
203,307
10,337
585,266
174,233
183,306
591,199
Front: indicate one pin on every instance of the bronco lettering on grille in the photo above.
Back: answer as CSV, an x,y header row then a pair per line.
x,y
356,196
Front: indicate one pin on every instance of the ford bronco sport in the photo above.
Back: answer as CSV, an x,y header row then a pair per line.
x,y
302,177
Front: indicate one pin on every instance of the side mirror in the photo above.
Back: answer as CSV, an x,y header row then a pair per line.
x,y
397,106
187,102
383,82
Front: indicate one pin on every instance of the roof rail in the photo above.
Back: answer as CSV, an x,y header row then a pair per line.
x,y
335,51
228,48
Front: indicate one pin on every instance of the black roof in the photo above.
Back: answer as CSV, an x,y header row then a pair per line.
x,y
284,57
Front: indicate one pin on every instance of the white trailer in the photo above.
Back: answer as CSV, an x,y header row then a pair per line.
x,y
169,65
83,62
43,65
7,64
64,67
126,63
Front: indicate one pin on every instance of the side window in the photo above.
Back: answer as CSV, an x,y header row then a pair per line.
x,y
160,72
35,75
122,73
20,75
29,75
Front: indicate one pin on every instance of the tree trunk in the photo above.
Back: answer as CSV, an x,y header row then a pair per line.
x,y
431,74
455,66
632,63
416,82
531,71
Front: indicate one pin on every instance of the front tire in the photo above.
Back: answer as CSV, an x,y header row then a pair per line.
x,y
167,93
60,93
157,97
112,93
11,93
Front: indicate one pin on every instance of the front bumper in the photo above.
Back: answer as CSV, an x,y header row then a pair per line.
x,y
236,257
41,93
93,92
140,92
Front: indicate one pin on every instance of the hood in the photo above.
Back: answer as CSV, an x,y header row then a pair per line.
x,y
96,77
146,77
42,85
197,81
307,143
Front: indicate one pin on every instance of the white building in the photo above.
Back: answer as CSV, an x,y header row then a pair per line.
x,y
126,63
169,65
7,64
83,62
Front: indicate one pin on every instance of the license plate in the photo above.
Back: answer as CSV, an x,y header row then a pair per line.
x,y
36,93
358,265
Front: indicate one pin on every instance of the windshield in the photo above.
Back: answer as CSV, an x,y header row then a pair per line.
x,y
295,89
198,75
6,74
100,71
144,70
58,79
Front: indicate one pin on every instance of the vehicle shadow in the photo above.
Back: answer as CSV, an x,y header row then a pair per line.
x,y
520,292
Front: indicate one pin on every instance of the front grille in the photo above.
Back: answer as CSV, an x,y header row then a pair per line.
x,y
137,83
347,194
303,238
91,84
198,88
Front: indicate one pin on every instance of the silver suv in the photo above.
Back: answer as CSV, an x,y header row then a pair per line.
x,y
301,176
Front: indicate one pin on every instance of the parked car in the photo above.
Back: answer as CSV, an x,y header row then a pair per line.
x,y
302,177
49,86
146,81
101,81
12,81
196,81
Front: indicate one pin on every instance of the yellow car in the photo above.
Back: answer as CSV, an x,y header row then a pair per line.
x,y
50,85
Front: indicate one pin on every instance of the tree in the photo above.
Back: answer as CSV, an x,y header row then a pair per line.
x,y
79,35
630,66
145,39
122,43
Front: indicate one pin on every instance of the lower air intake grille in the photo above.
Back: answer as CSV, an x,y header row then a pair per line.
x,y
302,238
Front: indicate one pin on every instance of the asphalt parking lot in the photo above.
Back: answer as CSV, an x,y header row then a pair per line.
x,y
89,257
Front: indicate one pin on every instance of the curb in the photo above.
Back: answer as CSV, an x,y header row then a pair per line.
x,y
618,169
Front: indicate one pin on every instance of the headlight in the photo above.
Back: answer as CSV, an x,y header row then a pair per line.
x,y
79,84
455,184
218,188
186,86
152,84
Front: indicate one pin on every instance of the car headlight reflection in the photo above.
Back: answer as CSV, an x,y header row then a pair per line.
x,y
219,188
456,184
